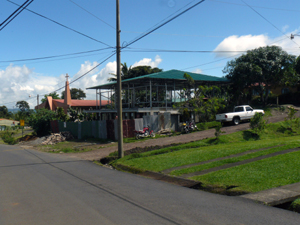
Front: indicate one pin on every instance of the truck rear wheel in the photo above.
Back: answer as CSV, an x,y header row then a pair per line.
x,y
236,120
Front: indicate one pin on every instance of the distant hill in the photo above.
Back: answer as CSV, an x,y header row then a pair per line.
x,y
13,110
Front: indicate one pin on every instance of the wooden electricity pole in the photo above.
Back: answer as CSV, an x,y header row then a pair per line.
x,y
119,87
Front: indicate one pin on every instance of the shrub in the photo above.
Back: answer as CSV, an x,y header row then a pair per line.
x,y
218,130
40,121
291,113
7,137
257,123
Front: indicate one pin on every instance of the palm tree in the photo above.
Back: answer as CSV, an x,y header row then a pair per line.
x,y
124,73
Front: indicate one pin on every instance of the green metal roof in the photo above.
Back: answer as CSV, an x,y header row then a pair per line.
x,y
171,75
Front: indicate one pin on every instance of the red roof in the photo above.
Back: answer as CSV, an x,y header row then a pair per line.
x,y
82,103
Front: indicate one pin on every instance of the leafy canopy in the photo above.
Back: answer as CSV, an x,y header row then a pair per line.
x,y
54,95
131,72
261,69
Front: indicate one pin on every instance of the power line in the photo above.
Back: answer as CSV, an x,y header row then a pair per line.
x,y
267,20
178,51
16,13
13,13
55,56
228,57
87,72
168,16
168,21
184,35
69,83
92,14
62,25
262,7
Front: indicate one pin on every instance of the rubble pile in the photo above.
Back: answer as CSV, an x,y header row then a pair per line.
x,y
165,132
57,137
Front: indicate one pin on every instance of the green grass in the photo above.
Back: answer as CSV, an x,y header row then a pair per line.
x,y
257,176
157,162
251,177
235,159
295,206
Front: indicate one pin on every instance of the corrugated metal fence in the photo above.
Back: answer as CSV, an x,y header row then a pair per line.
x,y
107,129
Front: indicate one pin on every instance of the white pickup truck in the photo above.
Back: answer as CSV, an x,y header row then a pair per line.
x,y
241,112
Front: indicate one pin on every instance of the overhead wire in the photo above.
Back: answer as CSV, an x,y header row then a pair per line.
x,y
137,40
17,12
78,32
111,55
177,51
92,14
54,56
163,24
228,57
268,21
262,7
114,53
13,13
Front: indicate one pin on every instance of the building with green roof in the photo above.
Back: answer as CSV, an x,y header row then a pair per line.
x,y
150,94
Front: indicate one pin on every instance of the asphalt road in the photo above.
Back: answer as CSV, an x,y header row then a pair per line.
x,y
40,188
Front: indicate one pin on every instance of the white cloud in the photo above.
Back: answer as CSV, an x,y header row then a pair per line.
x,y
248,42
240,43
148,62
284,28
20,82
197,71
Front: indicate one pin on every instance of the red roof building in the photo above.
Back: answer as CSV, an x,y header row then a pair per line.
x,y
67,102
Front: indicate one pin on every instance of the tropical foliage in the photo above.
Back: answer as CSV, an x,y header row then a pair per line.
x,y
261,69
131,72
203,101
54,95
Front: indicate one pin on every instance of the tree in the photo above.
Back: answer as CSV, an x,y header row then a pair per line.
x,y
23,106
297,65
127,73
262,68
40,121
4,112
124,73
54,95
75,94
60,114
204,101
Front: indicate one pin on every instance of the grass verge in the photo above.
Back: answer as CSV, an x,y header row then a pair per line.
x,y
251,177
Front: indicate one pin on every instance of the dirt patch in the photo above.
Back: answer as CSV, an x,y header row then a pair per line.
x,y
28,138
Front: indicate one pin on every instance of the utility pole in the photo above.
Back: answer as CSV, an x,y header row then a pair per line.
x,y
119,86
37,99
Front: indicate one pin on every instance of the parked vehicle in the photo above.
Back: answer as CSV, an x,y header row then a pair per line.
x,y
185,128
192,126
240,113
188,126
146,132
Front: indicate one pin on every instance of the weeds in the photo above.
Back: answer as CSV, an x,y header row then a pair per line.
x,y
7,137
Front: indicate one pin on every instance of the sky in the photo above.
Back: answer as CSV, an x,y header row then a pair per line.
x,y
73,36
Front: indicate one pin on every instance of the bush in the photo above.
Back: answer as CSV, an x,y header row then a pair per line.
x,y
291,113
257,123
7,137
40,121
218,130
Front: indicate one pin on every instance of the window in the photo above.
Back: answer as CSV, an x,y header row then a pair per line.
x,y
239,109
248,109
285,90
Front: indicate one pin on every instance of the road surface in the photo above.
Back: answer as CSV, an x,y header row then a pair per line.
x,y
42,188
